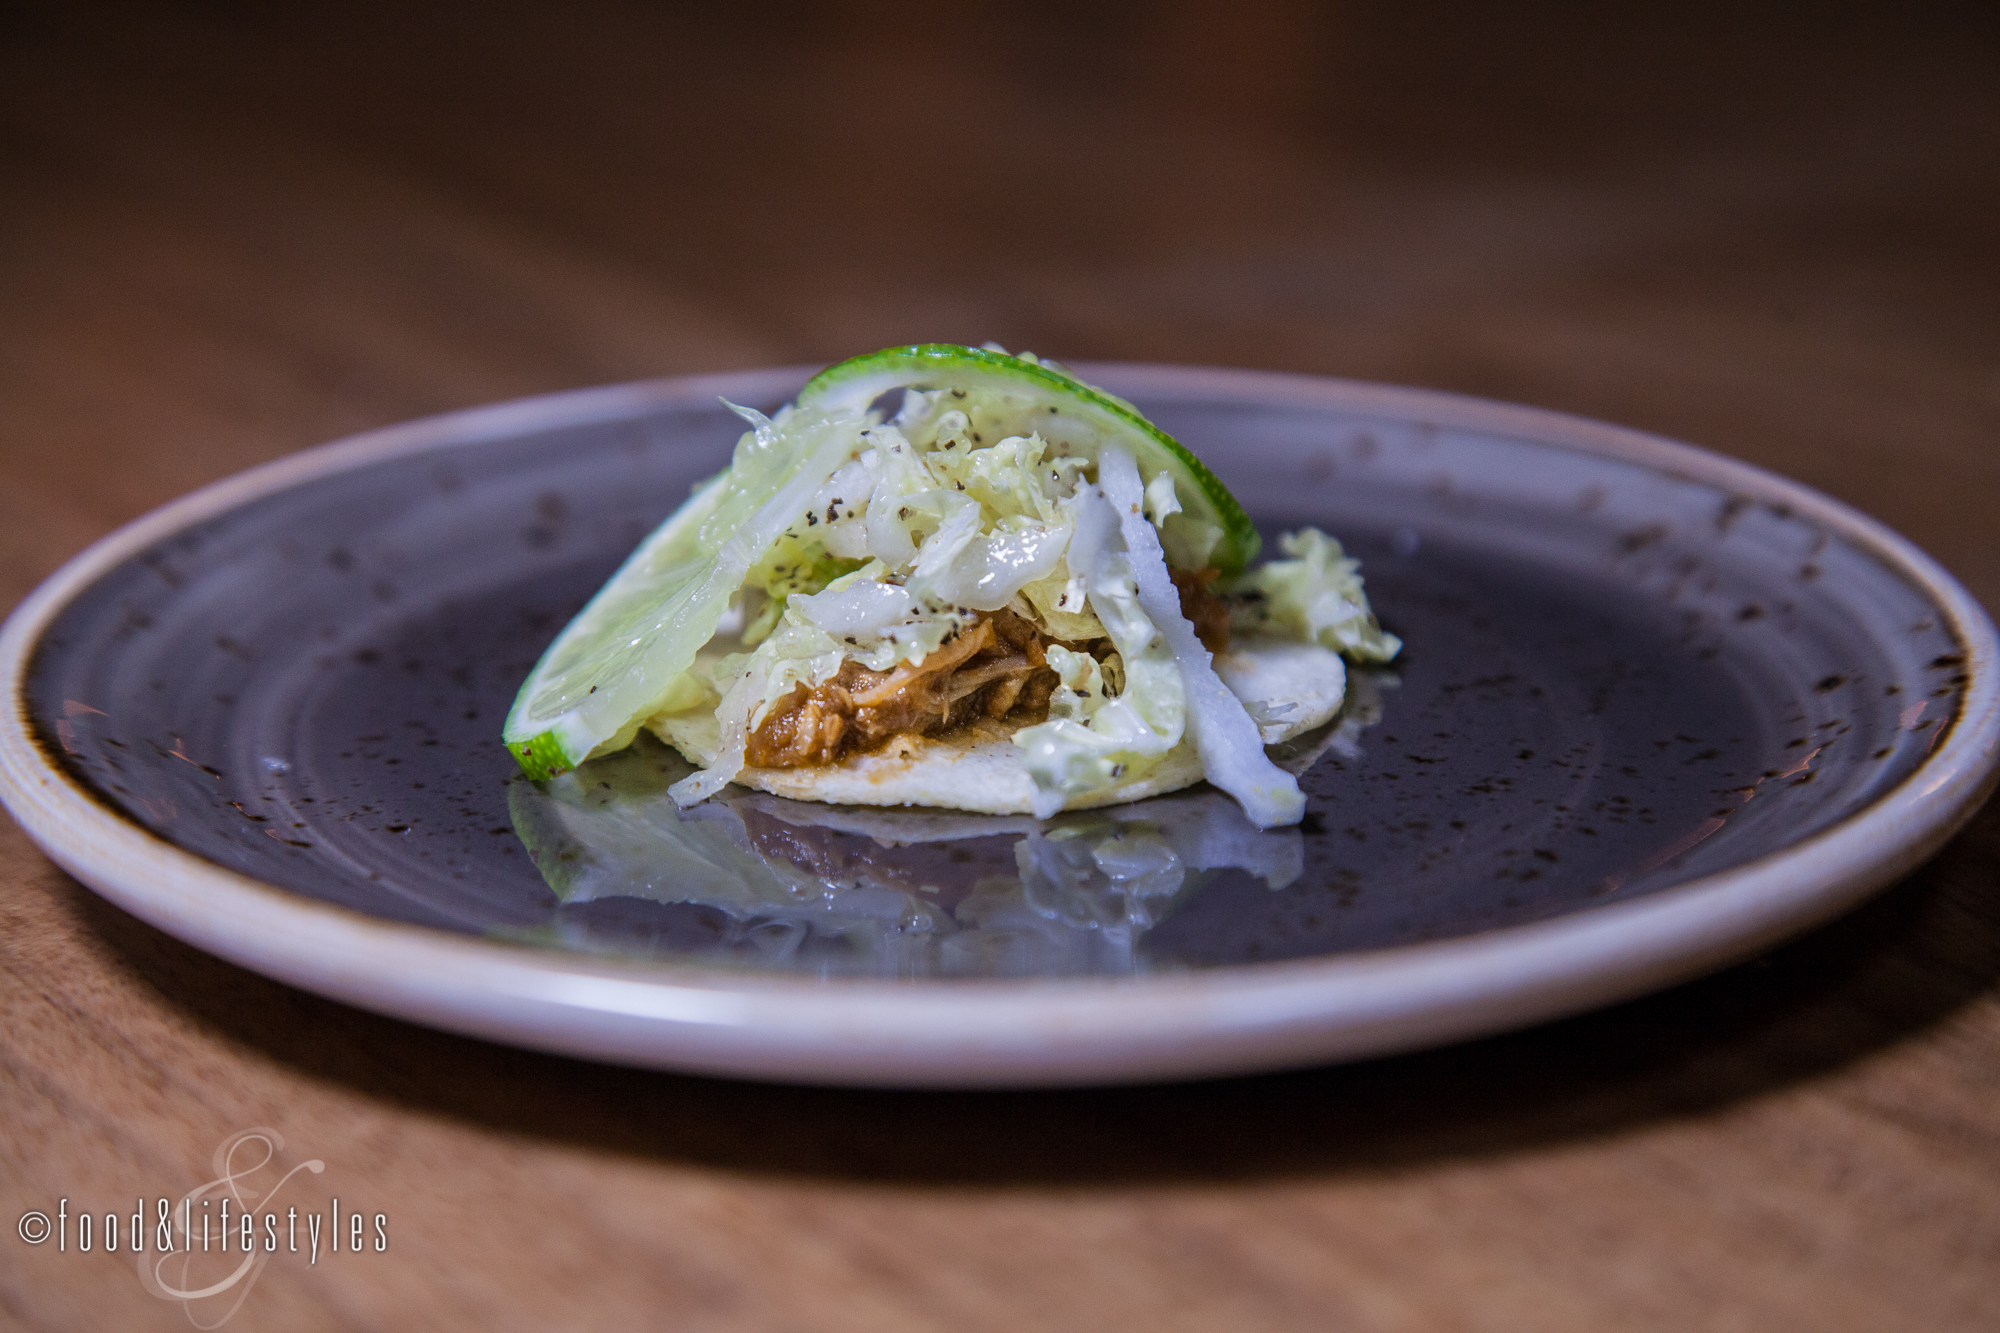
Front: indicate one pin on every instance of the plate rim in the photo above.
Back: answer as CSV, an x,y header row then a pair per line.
x,y
1011,1032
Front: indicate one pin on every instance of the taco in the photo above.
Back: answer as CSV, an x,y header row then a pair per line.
x,y
952,577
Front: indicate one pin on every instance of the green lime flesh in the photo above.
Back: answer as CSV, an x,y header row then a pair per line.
x,y
541,731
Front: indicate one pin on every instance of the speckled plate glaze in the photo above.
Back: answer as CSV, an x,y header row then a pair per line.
x,y
1658,710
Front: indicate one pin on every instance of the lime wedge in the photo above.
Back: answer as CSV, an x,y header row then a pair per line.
x,y
1081,415
542,730
626,655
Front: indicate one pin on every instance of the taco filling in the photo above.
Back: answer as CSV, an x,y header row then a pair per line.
x,y
1000,590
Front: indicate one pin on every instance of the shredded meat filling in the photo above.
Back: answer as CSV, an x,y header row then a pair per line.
x,y
1205,611
997,668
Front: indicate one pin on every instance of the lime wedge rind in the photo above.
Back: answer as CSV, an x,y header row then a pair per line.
x,y
541,757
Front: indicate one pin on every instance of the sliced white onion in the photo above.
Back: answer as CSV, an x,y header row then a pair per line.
x,y
733,714
1232,752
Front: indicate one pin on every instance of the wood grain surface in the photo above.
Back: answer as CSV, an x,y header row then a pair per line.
x,y
226,235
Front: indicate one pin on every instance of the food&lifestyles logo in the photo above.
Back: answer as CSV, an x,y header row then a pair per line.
x,y
207,1248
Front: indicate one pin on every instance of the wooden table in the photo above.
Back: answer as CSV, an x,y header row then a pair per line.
x,y
222,239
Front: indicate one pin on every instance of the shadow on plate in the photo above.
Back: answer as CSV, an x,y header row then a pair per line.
x,y
1882,975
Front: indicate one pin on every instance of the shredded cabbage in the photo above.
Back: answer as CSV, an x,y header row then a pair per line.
x,y
872,620
1314,597
792,567
1061,602
1092,740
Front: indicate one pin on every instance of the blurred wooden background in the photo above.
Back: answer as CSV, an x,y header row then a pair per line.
x,y
231,231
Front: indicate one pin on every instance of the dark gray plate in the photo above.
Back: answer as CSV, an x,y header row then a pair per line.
x,y
1630,667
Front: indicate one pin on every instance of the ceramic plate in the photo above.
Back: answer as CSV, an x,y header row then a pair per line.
x,y
1657,711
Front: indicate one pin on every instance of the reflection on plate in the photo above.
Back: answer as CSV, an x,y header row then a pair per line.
x,y
1657,710
769,884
